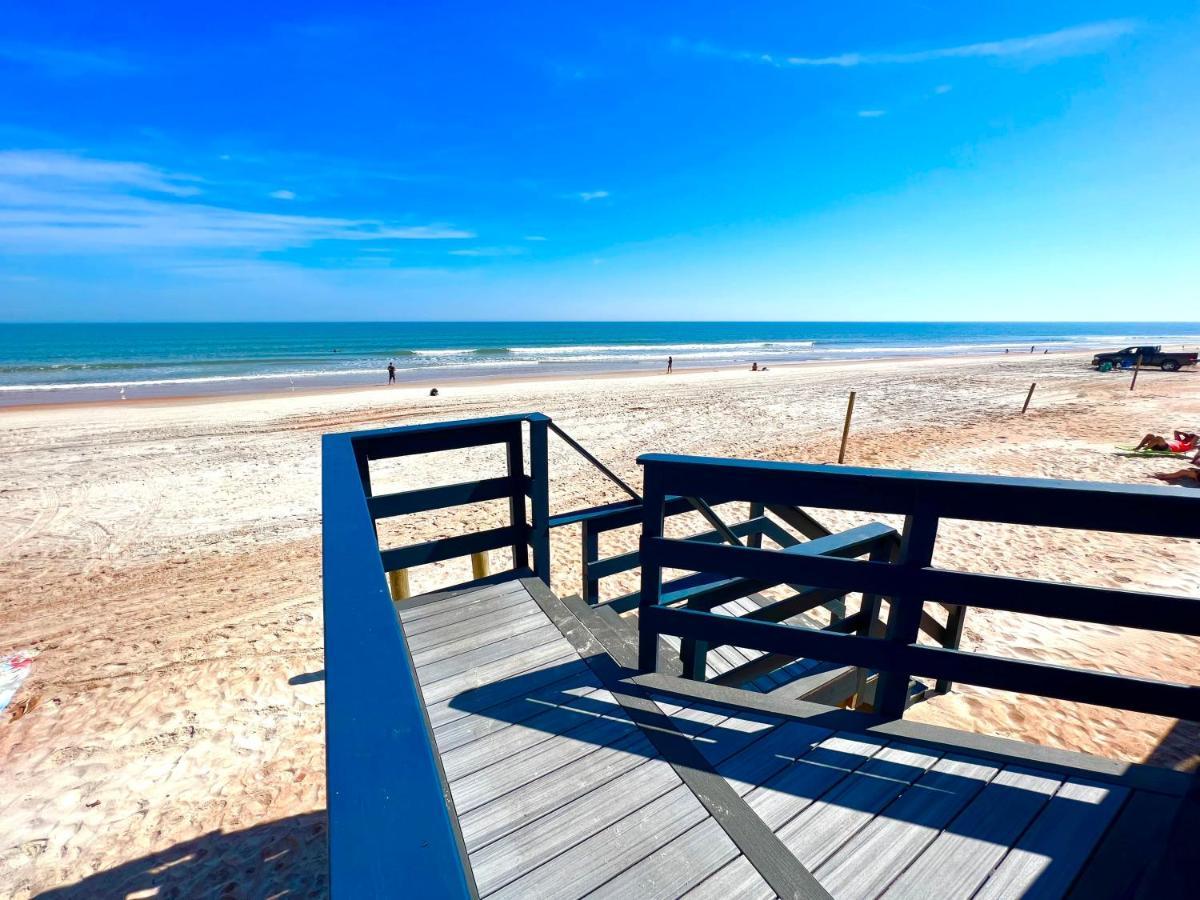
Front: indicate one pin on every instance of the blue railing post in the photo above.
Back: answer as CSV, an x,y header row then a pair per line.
x,y
904,614
539,494
756,511
590,553
516,503
652,527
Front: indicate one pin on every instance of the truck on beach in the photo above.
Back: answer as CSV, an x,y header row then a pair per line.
x,y
1150,356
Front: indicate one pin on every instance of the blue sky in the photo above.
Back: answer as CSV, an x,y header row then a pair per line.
x,y
787,160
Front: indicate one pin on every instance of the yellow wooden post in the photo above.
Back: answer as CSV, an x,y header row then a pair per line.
x,y
398,582
480,565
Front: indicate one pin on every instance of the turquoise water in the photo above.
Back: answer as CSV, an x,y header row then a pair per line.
x,y
40,363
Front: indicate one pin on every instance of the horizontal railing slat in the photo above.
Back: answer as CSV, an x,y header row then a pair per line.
x,y
1090,506
1022,676
1104,606
405,502
612,565
451,547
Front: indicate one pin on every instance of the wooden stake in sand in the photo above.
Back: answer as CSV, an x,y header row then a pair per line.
x,y
1137,367
1028,397
846,427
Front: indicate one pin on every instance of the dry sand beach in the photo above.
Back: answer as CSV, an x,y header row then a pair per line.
x,y
163,560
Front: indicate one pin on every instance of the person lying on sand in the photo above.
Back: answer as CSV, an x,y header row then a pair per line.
x,y
1189,474
1183,442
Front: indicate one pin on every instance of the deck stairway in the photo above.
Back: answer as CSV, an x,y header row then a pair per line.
x,y
738,731
570,778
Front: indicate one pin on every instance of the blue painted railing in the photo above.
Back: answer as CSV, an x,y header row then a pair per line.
x,y
909,580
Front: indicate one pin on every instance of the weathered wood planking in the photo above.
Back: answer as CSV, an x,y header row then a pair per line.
x,y
738,879
830,821
414,611
472,643
1052,851
482,627
970,847
565,664
589,864
886,846
671,871
788,793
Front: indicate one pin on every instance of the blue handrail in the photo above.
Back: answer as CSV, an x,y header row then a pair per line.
x,y
924,498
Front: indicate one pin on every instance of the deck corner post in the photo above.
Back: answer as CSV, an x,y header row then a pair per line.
x,y
757,510
539,495
589,586
651,592
904,615
516,502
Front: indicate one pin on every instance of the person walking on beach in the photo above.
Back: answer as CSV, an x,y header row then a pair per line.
x,y
670,364
391,373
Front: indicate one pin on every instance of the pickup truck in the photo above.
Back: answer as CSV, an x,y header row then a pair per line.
x,y
1151,356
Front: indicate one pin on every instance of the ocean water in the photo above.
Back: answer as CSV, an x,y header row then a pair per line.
x,y
66,362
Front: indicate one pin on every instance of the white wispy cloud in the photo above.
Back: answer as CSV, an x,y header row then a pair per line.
x,y
488,251
871,113
1047,45
283,195
588,196
65,61
54,202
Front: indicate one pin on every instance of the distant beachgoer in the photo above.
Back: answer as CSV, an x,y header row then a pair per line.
x,y
754,368
1031,349
433,393
391,373
1044,352
670,364
1181,442
1005,349
1189,474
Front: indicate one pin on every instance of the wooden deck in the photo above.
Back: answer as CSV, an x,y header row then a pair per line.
x,y
569,779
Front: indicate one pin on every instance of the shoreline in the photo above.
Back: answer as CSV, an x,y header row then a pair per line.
x,y
501,379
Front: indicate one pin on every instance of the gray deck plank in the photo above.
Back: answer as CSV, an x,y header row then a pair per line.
x,y
520,683
587,865
478,625
473,612
1133,844
739,880
965,853
461,601
543,839
870,861
539,657
516,809
829,822
676,868
433,672
512,772
512,711
502,631
784,796
575,707
1052,851
765,757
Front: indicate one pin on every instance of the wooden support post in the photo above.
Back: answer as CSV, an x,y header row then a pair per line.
x,y
590,553
951,641
516,503
398,582
1137,367
651,593
846,428
904,613
480,565
539,495
1028,397
756,510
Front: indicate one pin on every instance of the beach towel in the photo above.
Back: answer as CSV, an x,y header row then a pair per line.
x,y
14,669
1133,451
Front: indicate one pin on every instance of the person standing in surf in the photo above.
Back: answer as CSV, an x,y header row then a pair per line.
x,y
391,373
670,364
